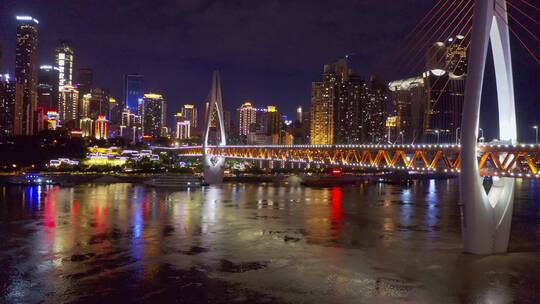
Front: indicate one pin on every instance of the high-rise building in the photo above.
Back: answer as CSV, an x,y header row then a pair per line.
x,y
337,106
47,94
153,115
87,127
274,121
99,103
85,83
64,62
375,112
409,101
26,71
47,87
10,106
101,127
247,115
68,106
321,114
115,111
85,105
85,80
428,107
133,90
189,112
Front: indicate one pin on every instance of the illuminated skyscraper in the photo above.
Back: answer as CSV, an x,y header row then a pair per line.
x,y
154,109
375,112
133,90
247,115
64,62
68,106
26,71
324,102
10,106
189,112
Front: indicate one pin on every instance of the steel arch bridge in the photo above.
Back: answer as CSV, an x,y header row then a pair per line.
x,y
494,159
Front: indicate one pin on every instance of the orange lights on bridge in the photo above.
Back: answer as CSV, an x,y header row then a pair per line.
x,y
520,160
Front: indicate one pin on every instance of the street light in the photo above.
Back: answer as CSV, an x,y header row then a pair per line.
x,y
402,137
457,135
481,139
536,131
438,137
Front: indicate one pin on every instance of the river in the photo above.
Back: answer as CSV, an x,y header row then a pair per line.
x,y
258,243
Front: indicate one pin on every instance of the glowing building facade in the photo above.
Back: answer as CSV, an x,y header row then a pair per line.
x,y
153,115
189,112
64,62
247,115
133,90
26,72
101,127
10,106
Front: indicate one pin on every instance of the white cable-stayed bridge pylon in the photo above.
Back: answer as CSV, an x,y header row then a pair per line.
x,y
487,217
213,166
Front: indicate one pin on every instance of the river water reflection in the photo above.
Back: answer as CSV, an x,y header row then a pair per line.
x,y
258,243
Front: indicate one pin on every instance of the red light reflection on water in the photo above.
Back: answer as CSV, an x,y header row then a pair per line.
x,y
337,210
49,214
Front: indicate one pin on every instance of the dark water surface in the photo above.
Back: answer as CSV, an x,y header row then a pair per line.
x,y
248,243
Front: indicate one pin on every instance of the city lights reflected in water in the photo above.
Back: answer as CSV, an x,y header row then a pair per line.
x,y
354,243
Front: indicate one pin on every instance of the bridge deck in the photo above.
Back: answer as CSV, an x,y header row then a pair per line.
x,y
520,160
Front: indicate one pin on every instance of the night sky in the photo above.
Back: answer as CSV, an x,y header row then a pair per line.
x,y
268,52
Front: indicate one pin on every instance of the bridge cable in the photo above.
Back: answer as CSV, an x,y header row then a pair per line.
x,y
409,39
455,68
423,37
531,5
522,12
437,34
453,32
520,40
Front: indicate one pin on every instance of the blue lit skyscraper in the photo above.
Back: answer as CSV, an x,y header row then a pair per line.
x,y
133,90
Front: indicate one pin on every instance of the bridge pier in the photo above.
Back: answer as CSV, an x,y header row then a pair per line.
x,y
214,166
487,217
213,169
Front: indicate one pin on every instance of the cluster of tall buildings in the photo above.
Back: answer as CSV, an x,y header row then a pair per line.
x,y
263,126
51,96
428,108
345,109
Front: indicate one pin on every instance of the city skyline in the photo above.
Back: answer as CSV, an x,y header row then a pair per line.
x,y
251,79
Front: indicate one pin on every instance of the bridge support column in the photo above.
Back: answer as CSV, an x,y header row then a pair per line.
x,y
487,217
213,165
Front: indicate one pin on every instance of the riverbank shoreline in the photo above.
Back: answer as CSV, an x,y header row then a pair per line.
x,y
310,180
